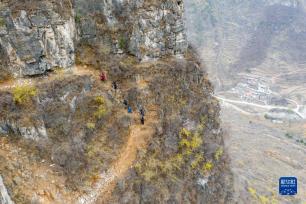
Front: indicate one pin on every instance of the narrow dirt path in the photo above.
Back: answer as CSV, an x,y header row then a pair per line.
x,y
138,139
139,135
76,70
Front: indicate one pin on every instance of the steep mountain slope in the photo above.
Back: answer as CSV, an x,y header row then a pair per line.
x,y
66,136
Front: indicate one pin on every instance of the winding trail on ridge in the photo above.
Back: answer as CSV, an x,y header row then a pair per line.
x,y
76,70
139,135
138,139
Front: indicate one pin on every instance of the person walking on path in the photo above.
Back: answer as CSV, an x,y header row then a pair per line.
x,y
103,76
125,103
129,109
142,120
141,110
115,85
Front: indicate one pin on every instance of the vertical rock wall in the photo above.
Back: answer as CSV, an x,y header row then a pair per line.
x,y
42,35
158,29
146,29
4,196
37,38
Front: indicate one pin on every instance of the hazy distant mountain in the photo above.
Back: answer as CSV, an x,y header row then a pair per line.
x,y
255,53
257,37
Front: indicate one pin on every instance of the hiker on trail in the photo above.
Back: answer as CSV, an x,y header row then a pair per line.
x,y
142,120
129,109
141,110
125,103
103,76
115,85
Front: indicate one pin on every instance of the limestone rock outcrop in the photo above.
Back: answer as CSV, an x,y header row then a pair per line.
x,y
44,35
4,196
35,40
146,29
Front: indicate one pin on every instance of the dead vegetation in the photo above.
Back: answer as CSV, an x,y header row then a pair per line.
x,y
87,130
62,7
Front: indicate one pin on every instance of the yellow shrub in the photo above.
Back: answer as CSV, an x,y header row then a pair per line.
x,y
148,175
196,142
184,143
187,152
252,191
59,71
90,151
91,126
167,167
22,94
218,153
99,100
200,127
178,159
137,167
101,110
185,133
263,199
208,166
198,158
203,119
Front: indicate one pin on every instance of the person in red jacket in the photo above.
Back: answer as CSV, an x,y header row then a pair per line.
x,y
103,76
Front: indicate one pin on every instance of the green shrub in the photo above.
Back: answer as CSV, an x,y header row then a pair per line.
x,y
122,43
2,22
78,18
23,94
289,135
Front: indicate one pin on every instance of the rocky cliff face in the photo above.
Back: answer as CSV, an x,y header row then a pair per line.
x,y
41,36
4,196
66,136
146,29
35,38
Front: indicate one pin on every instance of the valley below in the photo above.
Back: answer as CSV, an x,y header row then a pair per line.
x,y
254,54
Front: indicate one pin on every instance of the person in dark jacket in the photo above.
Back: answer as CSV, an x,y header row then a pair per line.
x,y
115,85
142,120
125,103
141,110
